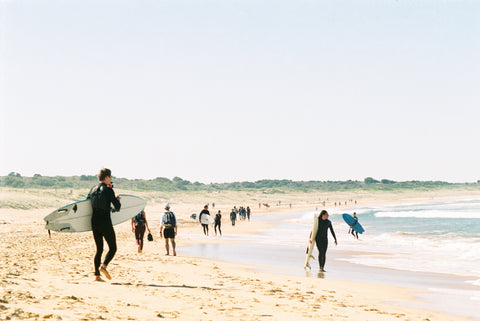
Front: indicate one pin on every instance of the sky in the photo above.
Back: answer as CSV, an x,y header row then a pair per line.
x,y
227,90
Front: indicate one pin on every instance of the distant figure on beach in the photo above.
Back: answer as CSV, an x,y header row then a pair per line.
x,y
102,196
322,237
218,222
204,212
139,224
233,216
352,231
248,212
169,229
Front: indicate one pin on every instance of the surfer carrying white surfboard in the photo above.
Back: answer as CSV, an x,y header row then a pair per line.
x,y
321,239
102,197
204,212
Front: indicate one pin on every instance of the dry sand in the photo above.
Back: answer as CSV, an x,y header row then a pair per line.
x,y
44,278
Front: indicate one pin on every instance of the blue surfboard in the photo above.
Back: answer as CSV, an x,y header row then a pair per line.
x,y
351,222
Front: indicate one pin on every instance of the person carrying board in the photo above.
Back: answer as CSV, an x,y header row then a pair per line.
x,y
321,239
102,196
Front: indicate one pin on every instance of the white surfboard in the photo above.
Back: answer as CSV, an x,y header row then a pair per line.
x,y
311,243
76,217
207,219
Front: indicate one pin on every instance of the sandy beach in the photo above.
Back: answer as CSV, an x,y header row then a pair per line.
x,y
46,278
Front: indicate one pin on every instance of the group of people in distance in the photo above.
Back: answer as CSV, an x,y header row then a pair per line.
x,y
242,213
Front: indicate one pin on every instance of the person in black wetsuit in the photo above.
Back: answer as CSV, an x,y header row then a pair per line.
x,y
139,225
218,222
352,231
204,212
102,196
321,238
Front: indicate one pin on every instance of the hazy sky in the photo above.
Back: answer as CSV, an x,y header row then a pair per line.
x,y
224,90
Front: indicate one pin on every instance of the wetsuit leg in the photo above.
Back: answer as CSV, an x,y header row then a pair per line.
x,y
109,236
98,237
322,245
139,233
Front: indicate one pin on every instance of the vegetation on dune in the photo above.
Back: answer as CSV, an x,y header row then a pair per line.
x,y
16,180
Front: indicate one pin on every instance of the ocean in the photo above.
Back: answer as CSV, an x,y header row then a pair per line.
x,y
433,247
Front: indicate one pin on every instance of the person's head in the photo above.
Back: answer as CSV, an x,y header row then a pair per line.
x,y
324,215
219,211
205,207
167,206
354,214
104,175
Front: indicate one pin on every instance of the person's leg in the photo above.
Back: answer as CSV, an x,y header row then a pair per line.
x,y
140,234
98,237
112,246
167,246
220,228
173,247
322,246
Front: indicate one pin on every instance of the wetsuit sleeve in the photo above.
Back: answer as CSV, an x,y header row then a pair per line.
x,y
331,230
114,200
174,219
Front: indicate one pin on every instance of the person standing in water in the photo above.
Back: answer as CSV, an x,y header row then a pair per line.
x,y
101,197
321,239
218,222
352,231
204,212
139,224
169,229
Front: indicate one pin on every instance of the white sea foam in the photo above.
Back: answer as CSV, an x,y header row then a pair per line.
x,y
429,214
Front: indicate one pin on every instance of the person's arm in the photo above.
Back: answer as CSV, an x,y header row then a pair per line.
x,y
333,233
175,224
115,200
146,222
133,227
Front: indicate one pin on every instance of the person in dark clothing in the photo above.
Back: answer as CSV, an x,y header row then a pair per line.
x,y
321,238
218,222
139,225
233,216
248,212
352,231
102,196
204,212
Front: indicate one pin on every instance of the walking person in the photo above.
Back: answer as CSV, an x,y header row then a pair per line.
x,y
218,222
321,239
102,197
233,216
352,231
169,229
204,212
139,225
248,212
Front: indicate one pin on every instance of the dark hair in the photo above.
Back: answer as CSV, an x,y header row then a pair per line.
x,y
323,212
104,172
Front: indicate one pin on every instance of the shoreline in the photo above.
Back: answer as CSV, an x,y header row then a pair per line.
x,y
53,278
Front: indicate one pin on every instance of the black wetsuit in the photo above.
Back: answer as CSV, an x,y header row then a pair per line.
x,y
322,239
140,227
218,223
102,197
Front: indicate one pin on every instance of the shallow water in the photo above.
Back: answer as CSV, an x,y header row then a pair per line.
x,y
432,247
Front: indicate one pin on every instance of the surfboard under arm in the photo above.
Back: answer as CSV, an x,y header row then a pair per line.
x,y
311,242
